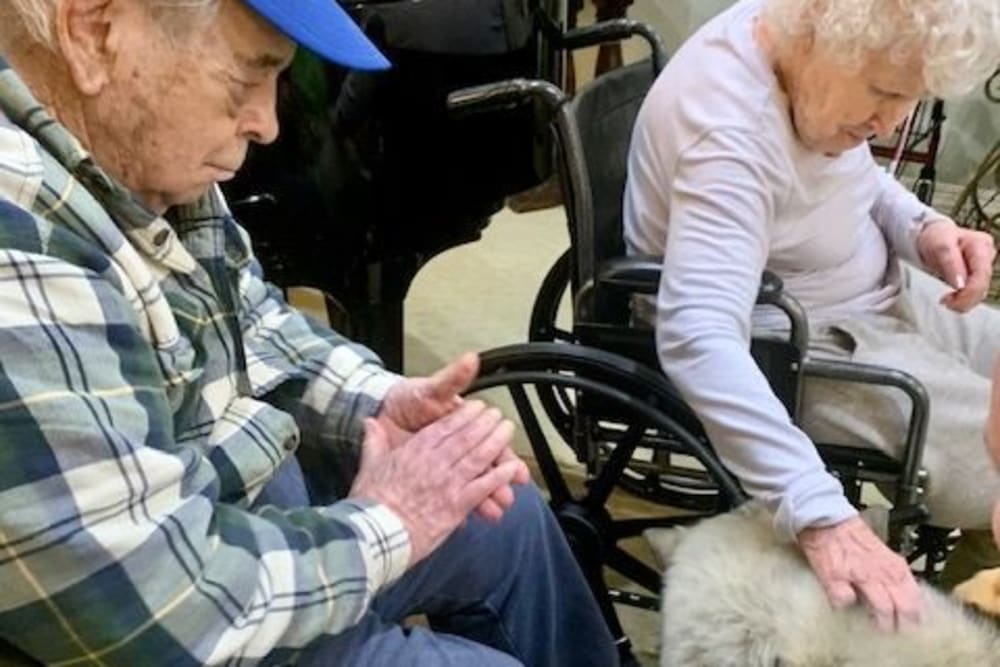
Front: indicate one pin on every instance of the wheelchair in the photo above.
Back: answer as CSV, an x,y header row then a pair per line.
x,y
598,385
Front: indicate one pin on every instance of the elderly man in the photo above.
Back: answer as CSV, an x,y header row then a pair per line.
x,y
154,389
750,154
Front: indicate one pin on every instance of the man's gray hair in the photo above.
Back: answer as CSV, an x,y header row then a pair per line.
x,y
35,17
957,41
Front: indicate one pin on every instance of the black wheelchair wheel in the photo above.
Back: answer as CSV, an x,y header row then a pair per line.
x,y
659,472
544,325
993,87
612,397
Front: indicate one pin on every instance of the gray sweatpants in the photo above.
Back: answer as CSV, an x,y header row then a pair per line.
x,y
952,355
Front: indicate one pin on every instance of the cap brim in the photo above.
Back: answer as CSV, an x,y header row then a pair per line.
x,y
324,28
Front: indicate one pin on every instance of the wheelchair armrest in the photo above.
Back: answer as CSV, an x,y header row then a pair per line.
x,y
771,289
613,31
639,274
848,371
772,293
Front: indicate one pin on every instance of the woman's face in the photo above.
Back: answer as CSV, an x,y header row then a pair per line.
x,y
836,108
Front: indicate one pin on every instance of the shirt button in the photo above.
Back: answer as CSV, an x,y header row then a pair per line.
x,y
161,237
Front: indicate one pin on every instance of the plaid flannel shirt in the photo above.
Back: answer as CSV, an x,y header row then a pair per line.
x,y
150,384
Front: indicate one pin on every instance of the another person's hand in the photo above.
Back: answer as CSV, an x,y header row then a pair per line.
x,y
962,257
852,564
443,473
413,403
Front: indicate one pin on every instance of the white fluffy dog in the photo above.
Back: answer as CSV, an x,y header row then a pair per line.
x,y
734,596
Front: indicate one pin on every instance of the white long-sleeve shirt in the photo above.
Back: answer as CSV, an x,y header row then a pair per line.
x,y
721,187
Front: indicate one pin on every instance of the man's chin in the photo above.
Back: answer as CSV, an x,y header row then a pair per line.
x,y
161,202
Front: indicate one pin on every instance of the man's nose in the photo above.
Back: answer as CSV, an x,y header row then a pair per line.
x,y
260,121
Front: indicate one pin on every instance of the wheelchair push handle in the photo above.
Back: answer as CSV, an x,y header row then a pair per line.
x,y
613,31
504,95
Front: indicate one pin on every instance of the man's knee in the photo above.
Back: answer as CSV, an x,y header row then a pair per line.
x,y
526,524
530,510
529,500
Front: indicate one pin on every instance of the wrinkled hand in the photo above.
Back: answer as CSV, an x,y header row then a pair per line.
x,y
963,258
852,563
413,403
445,471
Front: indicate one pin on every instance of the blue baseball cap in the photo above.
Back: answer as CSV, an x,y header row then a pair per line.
x,y
324,28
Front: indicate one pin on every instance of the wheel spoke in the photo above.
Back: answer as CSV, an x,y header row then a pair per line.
x,y
554,481
631,567
602,486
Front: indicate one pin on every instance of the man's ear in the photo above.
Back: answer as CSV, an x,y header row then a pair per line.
x,y
82,33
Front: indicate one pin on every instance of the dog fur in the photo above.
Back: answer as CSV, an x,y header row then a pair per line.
x,y
733,596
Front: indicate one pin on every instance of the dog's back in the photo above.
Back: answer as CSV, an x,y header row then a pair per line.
x,y
734,596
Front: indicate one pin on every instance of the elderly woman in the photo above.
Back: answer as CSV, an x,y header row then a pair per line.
x,y
750,154
154,390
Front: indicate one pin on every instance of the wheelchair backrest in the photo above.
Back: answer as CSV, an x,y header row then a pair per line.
x,y
599,122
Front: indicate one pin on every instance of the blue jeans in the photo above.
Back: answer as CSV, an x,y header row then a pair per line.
x,y
496,595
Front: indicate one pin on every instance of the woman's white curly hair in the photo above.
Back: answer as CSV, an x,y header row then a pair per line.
x,y
957,42
34,17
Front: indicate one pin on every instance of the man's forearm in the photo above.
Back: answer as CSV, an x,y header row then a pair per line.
x,y
327,381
